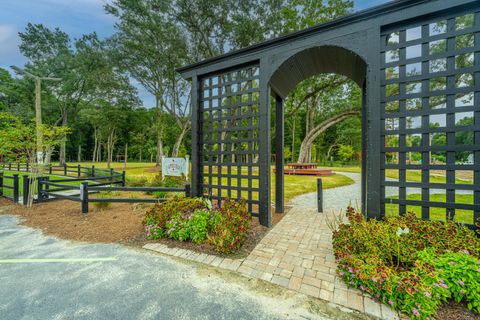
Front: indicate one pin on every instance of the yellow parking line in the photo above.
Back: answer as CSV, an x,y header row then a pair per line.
x,y
49,260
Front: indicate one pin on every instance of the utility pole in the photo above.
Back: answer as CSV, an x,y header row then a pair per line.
x,y
38,107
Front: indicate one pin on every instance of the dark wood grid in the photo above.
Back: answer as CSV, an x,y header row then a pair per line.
x,y
229,114
430,82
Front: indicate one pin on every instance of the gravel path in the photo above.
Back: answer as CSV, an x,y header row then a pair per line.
x,y
43,277
341,197
335,198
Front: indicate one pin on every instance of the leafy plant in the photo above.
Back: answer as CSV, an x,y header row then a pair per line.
x,y
460,271
410,264
197,220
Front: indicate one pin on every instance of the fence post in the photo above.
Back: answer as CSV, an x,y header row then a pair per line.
x,y
18,166
78,171
65,169
123,178
84,196
187,191
10,166
93,171
15,188
28,167
111,171
50,168
319,195
40,189
26,188
1,184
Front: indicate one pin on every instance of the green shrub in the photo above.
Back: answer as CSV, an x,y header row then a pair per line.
x,y
196,220
230,226
460,272
156,219
401,261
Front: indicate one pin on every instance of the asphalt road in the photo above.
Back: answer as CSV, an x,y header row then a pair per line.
x,y
63,280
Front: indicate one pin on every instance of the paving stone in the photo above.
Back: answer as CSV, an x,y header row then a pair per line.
x,y
326,295
325,276
298,272
312,281
355,301
216,262
245,270
309,290
295,283
329,286
209,259
388,313
372,307
340,297
282,281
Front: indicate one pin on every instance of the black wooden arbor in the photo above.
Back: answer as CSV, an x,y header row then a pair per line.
x,y
418,63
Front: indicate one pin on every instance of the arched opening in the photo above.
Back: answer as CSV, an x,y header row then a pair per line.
x,y
299,67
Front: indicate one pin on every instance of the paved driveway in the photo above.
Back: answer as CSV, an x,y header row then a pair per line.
x,y
104,281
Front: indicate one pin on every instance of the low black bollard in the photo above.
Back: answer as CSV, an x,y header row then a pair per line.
x,y
84,196
15,188
319,195
26,188
187,191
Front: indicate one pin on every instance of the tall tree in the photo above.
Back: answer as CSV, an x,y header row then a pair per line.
x,y
149,47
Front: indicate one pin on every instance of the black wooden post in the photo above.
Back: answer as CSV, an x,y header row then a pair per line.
x,y
264,147
279,158
46,188
15,188
18,166
84,196
65,169
78,171
123,178
93,171
26,189
40,189
197,170
319,195
1,184
50,168
187,191
10,166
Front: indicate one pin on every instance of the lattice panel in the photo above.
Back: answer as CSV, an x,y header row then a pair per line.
x,y
229,111
431,118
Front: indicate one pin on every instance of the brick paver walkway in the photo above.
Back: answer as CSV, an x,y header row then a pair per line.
x,y
297,254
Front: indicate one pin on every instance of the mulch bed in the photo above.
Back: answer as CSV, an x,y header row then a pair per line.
x,y
117,223
456,311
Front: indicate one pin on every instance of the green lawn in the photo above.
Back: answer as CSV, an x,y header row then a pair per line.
x,y
294,185
462,216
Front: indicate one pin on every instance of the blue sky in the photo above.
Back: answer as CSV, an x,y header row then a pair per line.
x,y
75,17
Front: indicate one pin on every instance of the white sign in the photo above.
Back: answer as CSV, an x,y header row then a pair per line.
x,y
176,167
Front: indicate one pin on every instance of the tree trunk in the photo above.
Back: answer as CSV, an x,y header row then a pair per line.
x,y
178,141
319,129
79,154
99,152
63,145
95,145
110,145
159,150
